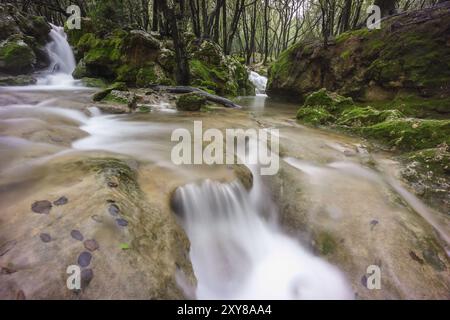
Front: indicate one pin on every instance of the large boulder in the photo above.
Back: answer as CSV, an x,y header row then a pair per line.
x,y
190,102
16,56
22,41
410,53
212,71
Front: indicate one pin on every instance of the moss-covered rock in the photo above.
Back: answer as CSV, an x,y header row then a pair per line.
x,y
94,82
211,70
428,173
21,80
16,56
409,53
190,102
118,86
410,134
329,100
362,117
317,115
22,40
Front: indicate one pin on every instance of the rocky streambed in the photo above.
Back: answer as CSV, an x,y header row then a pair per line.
x,y
93,189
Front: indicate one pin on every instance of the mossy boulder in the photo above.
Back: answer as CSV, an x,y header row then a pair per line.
x,y
22,41
211,70
410,134
118,86
410,53
361,117
16,56
20,80
190,102
316,116
329,100
428,173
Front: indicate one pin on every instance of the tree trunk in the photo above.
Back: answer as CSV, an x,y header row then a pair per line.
x,y
175,16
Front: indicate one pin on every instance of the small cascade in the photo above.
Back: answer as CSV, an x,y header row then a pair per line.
x,y
237,254
62,61
259,81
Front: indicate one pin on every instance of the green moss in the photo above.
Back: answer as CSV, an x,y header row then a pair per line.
x,y
329,100
16,56
410,134
346,54
190,102
326,243
94,82
127,73
115,99
436,160
315,115
359,117
144,109
363,34
119,86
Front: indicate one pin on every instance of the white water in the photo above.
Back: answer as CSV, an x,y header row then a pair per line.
x,y
58,76
237,254
260,83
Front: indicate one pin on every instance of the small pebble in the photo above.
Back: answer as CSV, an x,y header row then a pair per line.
x,y
373,223
112,184
45,237
113,209
61,201
415,257
91,245
76,235
42,206
111,201
84,259
122,222
86,277
97,218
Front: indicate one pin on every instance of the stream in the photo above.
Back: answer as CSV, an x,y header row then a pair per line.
x,y
309,232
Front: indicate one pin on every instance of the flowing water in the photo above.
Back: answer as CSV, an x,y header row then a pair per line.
x,y
260,83
307,233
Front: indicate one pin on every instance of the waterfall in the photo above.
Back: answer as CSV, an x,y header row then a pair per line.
x,y
237,254
259,81
62,61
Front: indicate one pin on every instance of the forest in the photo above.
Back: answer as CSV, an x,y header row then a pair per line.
x,y
224,150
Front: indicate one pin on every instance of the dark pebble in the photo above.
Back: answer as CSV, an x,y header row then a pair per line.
x,y
112,184
45,237
86,277
76,235
42,206
113,209
91,245
122,222
84,259
373,223
111,201
61,201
